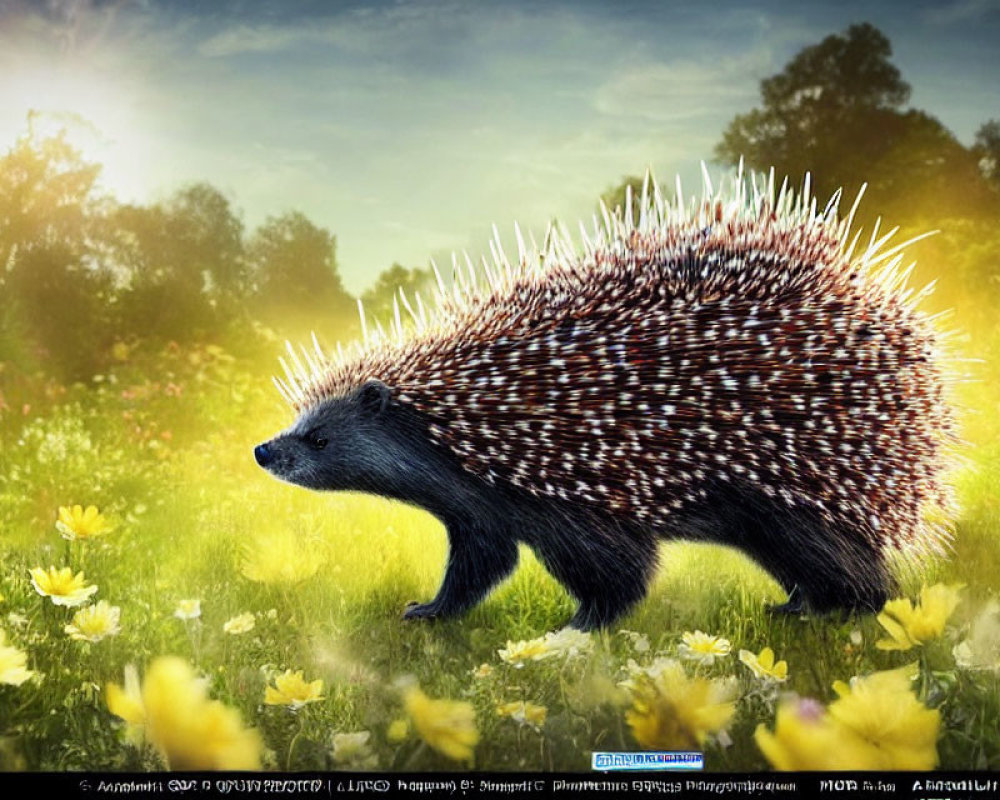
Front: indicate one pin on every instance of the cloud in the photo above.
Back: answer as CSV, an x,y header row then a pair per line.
x,y
678,93
69,26
960,11
375,31
242,39
407,128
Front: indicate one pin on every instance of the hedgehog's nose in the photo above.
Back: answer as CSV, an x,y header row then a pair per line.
x,y
263,454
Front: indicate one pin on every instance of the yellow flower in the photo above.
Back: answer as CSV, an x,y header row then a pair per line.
x,y
448,726
884,713
659,664
241,623
639,641
981,649
674,712
126,703
482,671
568,642
909,625
805,738
291,689
75,523
61,586
95,622
280,558
173,712
524,712
876,723
352,751
188,609
13,663
517,653
397,731
763,666
702,648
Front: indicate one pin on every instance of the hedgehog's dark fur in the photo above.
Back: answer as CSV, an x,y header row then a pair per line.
x,y
726,373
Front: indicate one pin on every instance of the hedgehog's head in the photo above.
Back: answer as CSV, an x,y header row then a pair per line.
x,y
343,442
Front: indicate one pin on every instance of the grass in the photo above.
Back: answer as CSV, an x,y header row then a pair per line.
x,y
327,576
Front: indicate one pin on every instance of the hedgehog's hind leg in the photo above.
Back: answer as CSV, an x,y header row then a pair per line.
x,y
822,567
860,581
477,561
795,604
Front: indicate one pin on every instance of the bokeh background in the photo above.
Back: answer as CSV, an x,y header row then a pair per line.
x,y
185,186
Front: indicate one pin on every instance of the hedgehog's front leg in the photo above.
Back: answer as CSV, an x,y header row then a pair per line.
x,y
476,563
606,595
604,565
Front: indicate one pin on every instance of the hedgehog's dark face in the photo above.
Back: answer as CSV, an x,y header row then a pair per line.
x,y
338,444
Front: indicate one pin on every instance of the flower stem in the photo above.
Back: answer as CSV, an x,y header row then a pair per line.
x,y
291,745
412,760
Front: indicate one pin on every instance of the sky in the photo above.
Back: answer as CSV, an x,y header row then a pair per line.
x,y
409,128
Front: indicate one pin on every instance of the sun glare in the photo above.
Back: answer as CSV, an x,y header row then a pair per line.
x,y
99,117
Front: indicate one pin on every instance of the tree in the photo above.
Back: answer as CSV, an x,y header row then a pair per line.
x,y
378,299
615,197
836,111
987,150
208,239
293,269
54,288
181,263
826,91
62,308
164,293
47,194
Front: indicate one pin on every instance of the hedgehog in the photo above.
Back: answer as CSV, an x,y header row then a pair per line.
x,y
730,369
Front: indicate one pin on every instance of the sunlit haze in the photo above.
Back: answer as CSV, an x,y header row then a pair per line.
x,y
97,115
725,483
408,129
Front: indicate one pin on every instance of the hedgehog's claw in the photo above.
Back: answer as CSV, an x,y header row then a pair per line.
x,y
794,604
417,610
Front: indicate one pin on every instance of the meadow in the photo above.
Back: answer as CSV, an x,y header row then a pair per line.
x,y
259,625
166,604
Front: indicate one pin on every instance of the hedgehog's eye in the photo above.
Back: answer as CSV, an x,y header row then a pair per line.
x,y
316,441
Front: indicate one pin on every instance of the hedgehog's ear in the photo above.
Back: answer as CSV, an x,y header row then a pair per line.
x,y
375,397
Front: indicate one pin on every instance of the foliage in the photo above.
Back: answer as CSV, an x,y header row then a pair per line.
x,y
378,300
615,198
293,267
180,264
836,111
987,149
48,213
82,275
47,197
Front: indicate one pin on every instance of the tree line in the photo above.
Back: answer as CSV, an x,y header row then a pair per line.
x,y
838,110
80,272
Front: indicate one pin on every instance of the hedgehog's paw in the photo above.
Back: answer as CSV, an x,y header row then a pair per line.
x,y
417,610
588,618
794,604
